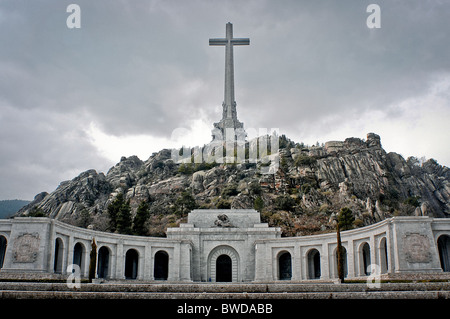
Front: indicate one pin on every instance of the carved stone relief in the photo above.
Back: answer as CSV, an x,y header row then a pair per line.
x,y
417,248
223,221
26,248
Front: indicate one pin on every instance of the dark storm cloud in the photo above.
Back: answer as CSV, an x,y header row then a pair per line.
x,y
145,67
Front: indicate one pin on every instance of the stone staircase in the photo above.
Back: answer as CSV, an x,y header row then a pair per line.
x,y
270,290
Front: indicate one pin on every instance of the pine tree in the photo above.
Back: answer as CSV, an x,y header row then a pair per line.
x,y
123,221
85,218
142,215
346,218
185,203
258,204
113,211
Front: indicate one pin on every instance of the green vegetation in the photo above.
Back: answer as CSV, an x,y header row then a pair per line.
x,y
224,204
119,212
142,215
412,201
304,160
230,190
285,202
36,212
345,218
189,168
258,204
185,203
123,221
85,218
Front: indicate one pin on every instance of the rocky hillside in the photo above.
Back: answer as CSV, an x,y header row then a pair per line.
x,y
310,185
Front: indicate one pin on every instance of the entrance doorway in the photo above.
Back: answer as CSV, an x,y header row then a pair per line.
x,y
59,251
161,269
103,262
78,256
223,265
224,269
131,264
3,244
366,262
444,252
285,266
314,271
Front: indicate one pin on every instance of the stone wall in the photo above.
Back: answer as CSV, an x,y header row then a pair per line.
x,y
396,246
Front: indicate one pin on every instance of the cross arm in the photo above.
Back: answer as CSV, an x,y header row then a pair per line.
x,y
240,41
218,41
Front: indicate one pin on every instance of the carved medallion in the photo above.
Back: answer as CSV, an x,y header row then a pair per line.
x,y
26,248
417,248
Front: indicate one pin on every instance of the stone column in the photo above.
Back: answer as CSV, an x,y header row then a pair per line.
x,y
120,271
351,259
324,262
69,253
185,262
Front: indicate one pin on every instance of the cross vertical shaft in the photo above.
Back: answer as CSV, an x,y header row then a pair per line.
x,y
229,115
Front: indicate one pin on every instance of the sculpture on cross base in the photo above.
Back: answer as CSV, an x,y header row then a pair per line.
x,y
223,221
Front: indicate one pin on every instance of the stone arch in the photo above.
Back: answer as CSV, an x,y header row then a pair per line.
x,y
131,264
3,245
212,262
161,265
383,253
313,262
364,259
443,244
78,256
284,265
58,257
103,258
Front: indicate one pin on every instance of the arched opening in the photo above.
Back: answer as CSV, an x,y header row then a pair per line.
x,y
314,271
161,268
3,244
59,252
285,266
103,262
78,256
365,258
212,273
444,252
131,264
344,259
224,269
383,255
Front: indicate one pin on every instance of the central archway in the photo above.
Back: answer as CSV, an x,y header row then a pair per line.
x,y
223,264
224,271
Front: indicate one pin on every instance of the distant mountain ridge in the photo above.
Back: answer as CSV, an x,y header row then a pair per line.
x,y
311,184
11,206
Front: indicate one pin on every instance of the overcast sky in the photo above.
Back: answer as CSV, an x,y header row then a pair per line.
x,y
76,99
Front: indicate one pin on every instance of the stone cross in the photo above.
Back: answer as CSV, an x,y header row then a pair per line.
x,y
229,104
